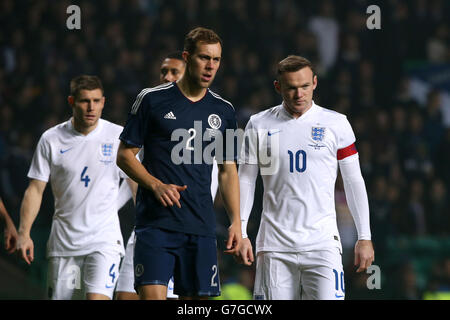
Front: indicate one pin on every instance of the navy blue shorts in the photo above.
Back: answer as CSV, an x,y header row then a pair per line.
x,y
191,259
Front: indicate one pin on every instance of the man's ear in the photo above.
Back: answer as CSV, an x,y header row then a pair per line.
x,y
314,82
185,56
276,84
71,100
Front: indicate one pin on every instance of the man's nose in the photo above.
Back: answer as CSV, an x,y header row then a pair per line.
x,y
168,77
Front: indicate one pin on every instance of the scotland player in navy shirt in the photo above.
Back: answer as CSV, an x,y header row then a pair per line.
x,y
175,220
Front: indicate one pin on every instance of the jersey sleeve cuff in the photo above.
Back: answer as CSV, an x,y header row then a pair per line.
x,y
38,177
130,143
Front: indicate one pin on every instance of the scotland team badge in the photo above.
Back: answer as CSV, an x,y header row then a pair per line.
x,y
318,133
214,121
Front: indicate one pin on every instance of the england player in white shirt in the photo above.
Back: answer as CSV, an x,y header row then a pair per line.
x,y
298,147
78,157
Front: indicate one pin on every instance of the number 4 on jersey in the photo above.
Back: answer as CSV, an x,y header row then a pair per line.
x,y
85,178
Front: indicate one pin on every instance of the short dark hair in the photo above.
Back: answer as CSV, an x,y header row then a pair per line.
x,y
293,63
84,82
200,34
175,55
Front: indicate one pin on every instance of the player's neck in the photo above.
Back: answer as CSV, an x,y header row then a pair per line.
x,y
84,130
296,113
190,89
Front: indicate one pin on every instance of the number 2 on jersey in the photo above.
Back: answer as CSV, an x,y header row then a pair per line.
x,y
192,134
85,178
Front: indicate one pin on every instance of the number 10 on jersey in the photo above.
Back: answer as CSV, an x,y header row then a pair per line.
x,y
297,161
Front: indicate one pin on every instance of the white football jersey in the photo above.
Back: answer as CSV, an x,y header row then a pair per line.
x,y
84,179
298,162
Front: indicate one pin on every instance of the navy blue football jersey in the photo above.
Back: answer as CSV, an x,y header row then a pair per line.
x,y
176,135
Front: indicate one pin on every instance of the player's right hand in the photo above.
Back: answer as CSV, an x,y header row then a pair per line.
x,y
25,248
10,237
246,252
169,194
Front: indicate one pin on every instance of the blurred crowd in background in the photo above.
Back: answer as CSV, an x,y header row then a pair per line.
x,y
401,122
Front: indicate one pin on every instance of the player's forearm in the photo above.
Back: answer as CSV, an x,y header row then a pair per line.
x,y
229,189
356,195
126,160
29,209
4,216
247,182
3,213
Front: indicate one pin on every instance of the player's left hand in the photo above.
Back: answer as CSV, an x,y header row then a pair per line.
x,y
245,253
364,254
234,239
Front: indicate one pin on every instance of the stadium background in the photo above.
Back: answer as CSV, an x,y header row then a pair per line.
x,y
393,84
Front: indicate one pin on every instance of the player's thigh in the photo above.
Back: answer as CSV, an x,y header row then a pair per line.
x,y
322,277
64,278
154,259
125,284
197,270
277,276
101,271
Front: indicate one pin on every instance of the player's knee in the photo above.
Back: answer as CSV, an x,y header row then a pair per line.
x,y
126,296
152,292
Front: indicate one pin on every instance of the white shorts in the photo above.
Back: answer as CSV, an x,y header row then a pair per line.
x,y
71,278
310,275
126,279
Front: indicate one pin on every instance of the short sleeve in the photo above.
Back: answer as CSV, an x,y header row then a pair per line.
x,y
346,141
40,164
346,137
136,126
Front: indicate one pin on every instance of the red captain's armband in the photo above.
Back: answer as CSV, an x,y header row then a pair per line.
x,y
346,152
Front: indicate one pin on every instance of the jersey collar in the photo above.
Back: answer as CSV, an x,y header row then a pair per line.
x,y
306,115
186,98
72,130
